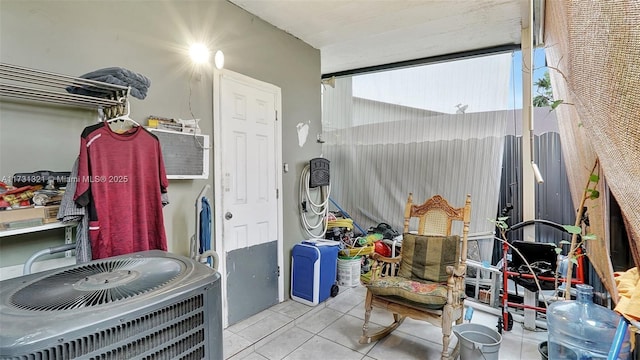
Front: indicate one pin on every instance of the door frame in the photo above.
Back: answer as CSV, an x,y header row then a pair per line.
x,y
218,217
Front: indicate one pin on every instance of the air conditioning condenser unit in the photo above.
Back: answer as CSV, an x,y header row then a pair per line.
x,y
147,305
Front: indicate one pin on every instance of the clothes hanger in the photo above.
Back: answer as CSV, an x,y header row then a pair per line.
x,y
123,117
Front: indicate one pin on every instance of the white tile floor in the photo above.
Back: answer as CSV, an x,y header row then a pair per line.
x,y
331,330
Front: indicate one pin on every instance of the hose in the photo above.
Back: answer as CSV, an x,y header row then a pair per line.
x,y
341,223
362,231
313,208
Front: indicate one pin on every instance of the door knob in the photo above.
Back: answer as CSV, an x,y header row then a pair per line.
x,y
228,215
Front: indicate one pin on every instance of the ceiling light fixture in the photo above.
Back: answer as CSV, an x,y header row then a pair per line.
x,y
199,53
218,59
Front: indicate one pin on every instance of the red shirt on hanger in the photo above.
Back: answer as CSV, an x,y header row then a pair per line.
x,y
121,178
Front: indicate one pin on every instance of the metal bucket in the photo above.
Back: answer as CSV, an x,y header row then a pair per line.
x,y
478,342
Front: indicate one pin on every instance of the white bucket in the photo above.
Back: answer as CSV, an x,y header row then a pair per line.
x,y
478,342
349,271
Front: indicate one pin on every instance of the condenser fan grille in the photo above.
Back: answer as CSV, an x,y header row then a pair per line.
x,y
97,283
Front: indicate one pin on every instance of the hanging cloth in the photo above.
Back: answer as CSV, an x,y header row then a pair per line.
x,y
205,229
69,211
628,283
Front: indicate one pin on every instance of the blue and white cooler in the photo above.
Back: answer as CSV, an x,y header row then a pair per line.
x,y
313,270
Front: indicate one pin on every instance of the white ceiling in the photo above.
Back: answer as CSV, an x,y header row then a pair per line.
x,y
358,34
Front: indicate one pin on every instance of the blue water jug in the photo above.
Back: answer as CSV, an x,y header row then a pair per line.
x,y
581,330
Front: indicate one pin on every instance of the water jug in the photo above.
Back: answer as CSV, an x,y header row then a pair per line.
x,y
581,330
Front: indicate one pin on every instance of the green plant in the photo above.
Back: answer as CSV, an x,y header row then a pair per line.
x,y
545,94
590,193
577,237
503,227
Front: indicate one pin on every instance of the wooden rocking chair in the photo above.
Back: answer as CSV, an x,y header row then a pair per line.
x,y
429,285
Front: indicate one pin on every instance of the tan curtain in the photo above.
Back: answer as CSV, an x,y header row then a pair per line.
x,y
593,56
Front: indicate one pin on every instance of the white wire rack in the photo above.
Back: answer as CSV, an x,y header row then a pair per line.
x,y
35,85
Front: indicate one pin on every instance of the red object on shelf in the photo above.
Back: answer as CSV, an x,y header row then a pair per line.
x,y
382,248
15,191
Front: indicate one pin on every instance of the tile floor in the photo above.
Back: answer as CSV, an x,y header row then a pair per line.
x,y
330,330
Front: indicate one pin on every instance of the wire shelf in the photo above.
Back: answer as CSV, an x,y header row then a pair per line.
x,y
35,85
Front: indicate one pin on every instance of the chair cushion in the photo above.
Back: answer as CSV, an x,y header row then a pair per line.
x,y
426,293
426,257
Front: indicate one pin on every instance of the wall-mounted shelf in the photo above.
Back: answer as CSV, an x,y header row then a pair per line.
x,y
32,229
35,85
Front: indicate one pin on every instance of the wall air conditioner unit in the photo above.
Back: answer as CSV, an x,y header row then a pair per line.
x,y
185,155
146,305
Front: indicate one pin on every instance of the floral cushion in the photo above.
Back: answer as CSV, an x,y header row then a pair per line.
x,y
425,294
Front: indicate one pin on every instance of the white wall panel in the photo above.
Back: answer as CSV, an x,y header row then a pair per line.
x,y
382,151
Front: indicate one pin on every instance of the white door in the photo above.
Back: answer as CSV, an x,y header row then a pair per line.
x,y
248,217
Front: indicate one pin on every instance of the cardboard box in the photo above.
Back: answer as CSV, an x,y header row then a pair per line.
x,y
50,213
46,213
